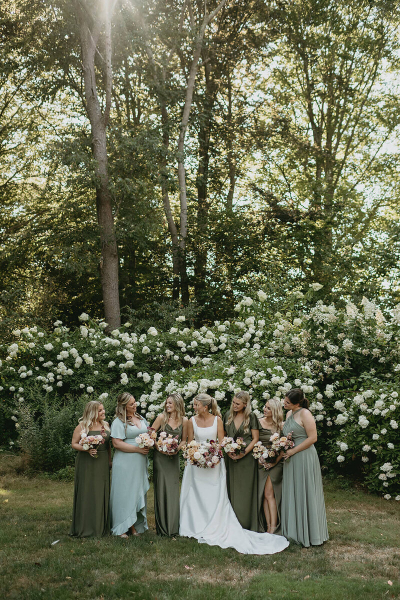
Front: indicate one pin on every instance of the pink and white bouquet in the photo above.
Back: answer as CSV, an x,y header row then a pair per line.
x,y
258,450
167,443
206,455
279,444
88,442
146,440
232,446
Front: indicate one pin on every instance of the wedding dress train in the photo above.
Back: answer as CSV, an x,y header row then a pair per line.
x,y
206,513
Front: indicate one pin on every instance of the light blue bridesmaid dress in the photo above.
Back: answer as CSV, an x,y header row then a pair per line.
x,y
130,482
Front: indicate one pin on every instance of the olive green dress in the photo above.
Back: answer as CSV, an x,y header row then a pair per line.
x,y
276,479
242,477
303,515
166,488
91,516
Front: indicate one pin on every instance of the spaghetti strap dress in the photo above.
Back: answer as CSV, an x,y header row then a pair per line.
x,y
166,488
91,517
275,474
303,514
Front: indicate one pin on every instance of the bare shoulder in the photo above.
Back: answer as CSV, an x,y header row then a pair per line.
x,y
185,420
219,420
288,414
77,431
306,414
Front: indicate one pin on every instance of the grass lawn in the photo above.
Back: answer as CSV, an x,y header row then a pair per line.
x,y
359,561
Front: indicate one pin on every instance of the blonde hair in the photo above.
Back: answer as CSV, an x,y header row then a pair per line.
x,y
245,398
277,413
179,408
207,400
90,413
120,410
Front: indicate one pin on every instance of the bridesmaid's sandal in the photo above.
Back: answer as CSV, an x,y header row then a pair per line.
x,y
124,536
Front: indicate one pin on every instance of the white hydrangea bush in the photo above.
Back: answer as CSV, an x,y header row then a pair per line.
x,y
347,361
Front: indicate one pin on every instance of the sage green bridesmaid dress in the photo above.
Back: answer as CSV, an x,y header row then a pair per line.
x,y
276,479
242,477
91,515
303,513
166,488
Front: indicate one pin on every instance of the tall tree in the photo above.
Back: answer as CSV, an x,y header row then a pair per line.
x,y
94,23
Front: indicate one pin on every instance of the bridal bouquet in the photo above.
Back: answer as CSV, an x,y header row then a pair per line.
x,y
167,443
146,440
88,442
230,445
206,455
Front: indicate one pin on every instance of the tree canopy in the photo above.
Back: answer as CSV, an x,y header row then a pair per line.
x,y
183,153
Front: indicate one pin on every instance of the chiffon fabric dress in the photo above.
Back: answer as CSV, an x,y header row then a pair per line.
x,y
276,479
206,513
242,477
166,487
91,516
303,515
130,481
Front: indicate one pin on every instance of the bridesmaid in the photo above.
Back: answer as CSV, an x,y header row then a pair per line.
x,y
130,481
166,467
303,513
242,469
270,482
90,515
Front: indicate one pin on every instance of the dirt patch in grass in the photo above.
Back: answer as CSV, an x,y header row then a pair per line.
x,y
228,575
387,560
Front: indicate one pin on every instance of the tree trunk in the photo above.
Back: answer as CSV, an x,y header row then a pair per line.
x,y
98,122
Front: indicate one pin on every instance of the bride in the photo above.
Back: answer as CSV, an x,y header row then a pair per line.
x,y
206,513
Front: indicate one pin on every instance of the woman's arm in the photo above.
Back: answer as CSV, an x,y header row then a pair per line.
x,y
311,431
76,436
157,423
190,432
255,436
220,429
124,447
185,427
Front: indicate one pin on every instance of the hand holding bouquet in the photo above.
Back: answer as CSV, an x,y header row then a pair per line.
x,y
281,444
167,443
232,446
90,442
206,455
146,440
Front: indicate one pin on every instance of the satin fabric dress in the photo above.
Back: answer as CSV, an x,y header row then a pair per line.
x,y
91,516
303,515
130,482
206,513
242,477
276,474
166,488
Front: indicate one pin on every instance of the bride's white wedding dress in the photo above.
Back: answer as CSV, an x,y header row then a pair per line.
x,y
206,513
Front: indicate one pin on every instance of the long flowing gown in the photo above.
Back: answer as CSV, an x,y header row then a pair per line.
x,y
276,479
303,513
90,515
206,513
166,488
130,482
242,477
